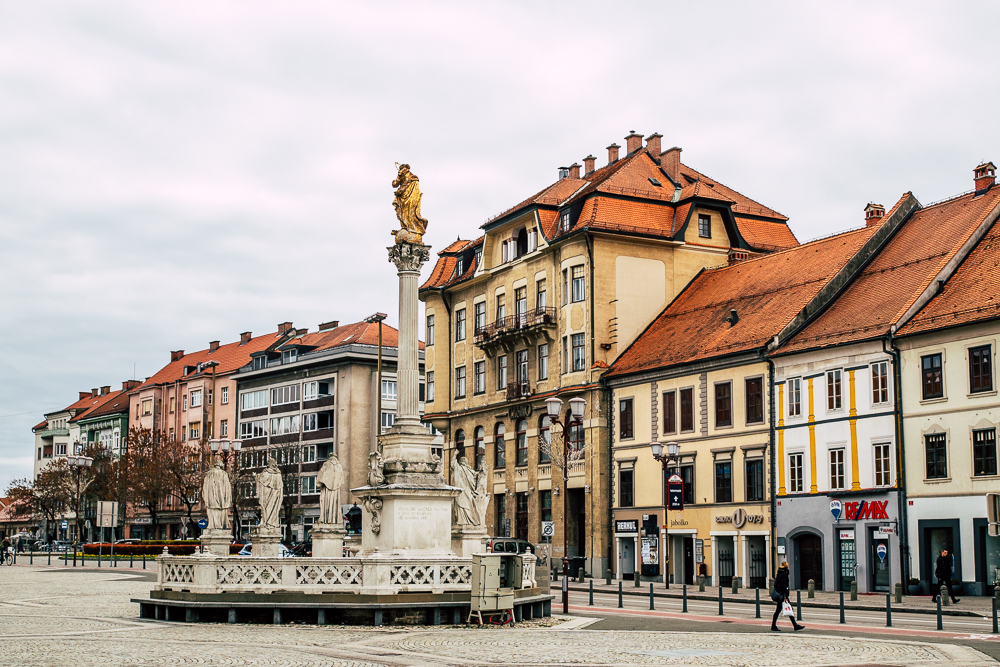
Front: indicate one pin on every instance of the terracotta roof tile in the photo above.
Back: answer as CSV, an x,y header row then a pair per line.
x,y
766,235
552,195
42,424
742,204
116,402
896,277
231,357
626,215
359,333
766,292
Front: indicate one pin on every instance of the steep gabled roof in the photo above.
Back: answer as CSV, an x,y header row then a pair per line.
x,y
115,402
766,292
879,297
359,333
231,357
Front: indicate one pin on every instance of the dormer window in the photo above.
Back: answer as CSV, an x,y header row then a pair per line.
x,y
460,266
259,362
564,222
289,356
479,256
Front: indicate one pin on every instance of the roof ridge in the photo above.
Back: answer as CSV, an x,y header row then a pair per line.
x,y
715,180
778,253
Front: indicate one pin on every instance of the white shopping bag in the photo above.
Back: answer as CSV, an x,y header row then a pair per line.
x,y
786,609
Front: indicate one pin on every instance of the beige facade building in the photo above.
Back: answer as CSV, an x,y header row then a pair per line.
x,y
542,303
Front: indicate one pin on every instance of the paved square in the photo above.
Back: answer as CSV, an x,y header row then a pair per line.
x,y
53,616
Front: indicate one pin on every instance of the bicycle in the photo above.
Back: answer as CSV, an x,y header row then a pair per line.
x,y
7,556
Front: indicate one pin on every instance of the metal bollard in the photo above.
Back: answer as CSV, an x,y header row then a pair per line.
x,y
945,593
620,605
144,562
701,583
607,577
50,553
591,603
756,592
98,557
637,578
899,593
684,608
720,600
842,621
940,622
580,575
736,585
996,629
31,557
651,605
854,591
130,555
888,610
811,593
798,605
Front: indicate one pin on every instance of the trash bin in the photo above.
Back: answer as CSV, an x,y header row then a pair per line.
x,y
575,564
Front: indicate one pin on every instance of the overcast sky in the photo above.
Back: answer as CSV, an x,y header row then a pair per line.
x,y
175,173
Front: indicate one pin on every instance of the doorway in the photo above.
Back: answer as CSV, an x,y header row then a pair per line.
x,y
881,561
627,551
809,553
688,560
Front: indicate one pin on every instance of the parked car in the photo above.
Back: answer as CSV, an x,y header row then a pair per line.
x,y
61,545
283,551
509,545
131,540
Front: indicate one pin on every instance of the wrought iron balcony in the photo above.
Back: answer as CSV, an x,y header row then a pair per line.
x,y
517,390
515,326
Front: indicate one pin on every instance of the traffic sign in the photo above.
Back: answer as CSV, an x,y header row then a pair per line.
x,y
65,525
675,493
548,528
203,523
881,551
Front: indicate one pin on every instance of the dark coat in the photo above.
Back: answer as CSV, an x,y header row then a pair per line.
x,y
942,569
781,581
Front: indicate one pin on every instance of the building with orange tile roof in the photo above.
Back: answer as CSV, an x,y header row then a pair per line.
x,y
537,306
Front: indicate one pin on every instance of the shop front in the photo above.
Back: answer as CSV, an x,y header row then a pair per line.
x,y
637,546
958,525
740,546
836,539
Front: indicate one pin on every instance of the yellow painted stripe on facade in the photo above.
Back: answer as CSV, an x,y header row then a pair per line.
x,y
855,481
812,442
781,440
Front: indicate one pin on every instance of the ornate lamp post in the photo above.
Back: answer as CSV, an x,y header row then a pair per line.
x,y
666,458
227,446
554,407
78,463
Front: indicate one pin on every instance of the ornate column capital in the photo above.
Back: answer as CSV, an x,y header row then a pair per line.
x,y
409,256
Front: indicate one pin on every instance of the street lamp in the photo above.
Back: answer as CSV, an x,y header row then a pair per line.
x,y
226,446
666,458
553,407
78,463
372,319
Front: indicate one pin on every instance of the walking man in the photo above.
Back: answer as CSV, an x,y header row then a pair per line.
x,y
942,570
780,596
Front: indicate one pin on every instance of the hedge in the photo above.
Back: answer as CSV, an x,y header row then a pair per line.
x,y
154,549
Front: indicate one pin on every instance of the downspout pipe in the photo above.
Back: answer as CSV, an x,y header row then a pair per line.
x,y
772,460
897,397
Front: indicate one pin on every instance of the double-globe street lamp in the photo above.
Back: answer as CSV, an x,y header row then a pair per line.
x,y
78,463
554,407
666,458
226,447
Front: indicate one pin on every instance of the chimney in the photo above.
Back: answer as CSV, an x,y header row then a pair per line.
x,y
670,162
874,214
633,142
328,326
302,332
613,153
95,392
84,394
129,385
284,327
176,354
653,145
563,172
574,170
105,390
985,176
213,346
588,164
245,337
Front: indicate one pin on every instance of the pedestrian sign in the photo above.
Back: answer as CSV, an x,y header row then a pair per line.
x,y
203,523
882,551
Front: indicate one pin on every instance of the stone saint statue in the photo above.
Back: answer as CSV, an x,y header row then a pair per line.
x,y
471,503
329,480
217,493
269,491
407,205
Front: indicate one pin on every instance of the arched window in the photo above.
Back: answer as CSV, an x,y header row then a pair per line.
x,y
544,438
522,442
460,442
479,435
499,447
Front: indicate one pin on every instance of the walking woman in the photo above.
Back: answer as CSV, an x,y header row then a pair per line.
x,y
780,596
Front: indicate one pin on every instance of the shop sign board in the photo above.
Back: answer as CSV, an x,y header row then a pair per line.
x,y
739,518
847,533
865,509
649,555
835,508
630,526
886,530
675,493
882,551
699,551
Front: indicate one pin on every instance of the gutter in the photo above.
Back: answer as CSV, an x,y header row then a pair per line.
x,y
904,537
771,457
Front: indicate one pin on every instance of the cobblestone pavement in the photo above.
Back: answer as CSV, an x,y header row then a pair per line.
x,y
51,616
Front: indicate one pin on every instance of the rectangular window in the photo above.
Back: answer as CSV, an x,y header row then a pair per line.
x,y
289,356
521,305
253,429
225,395
209,396
565,355
170,437
460,325
540,298
980,369
687,410
224,428
310,422
834,399
460,382
704,226
687,476
755,400
479,369
723,482
172,402
521,361
252,400
500,506
579,354
837,469
284,395
564,224
723,404
309,454
669,412
388,419
147,406
285,425
259,362
932,385
755,480
195,430
880,382
479,317
565,294
308,484
795,473
310,391
545,502
882,476
501,308
502,371
543,361
388,390
626,497
935,446
795,397
429,331
185,404
984,452
579,285
430,385
626,419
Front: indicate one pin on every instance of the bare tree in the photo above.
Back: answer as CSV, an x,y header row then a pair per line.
x,y
50,492
184,463
146,470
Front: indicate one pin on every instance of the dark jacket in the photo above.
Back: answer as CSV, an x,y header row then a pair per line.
x,y
781,581
942,569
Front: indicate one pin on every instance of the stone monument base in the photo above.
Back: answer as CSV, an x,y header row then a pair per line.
x,y
468,540
407,520
264,545
216,541
328,540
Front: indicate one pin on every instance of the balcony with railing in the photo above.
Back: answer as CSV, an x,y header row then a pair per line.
x,y
518,390
506,331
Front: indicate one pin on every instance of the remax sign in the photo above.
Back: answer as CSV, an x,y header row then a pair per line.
x,y
866,509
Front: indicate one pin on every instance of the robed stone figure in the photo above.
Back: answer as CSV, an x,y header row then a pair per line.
x,y
269,492
329,480
217,493
407,202
471,503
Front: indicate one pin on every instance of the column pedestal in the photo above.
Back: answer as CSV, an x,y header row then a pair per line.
x,y
264,545
328,540
216,541
468,540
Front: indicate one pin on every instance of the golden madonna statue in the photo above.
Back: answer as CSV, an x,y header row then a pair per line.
x,y
407,205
